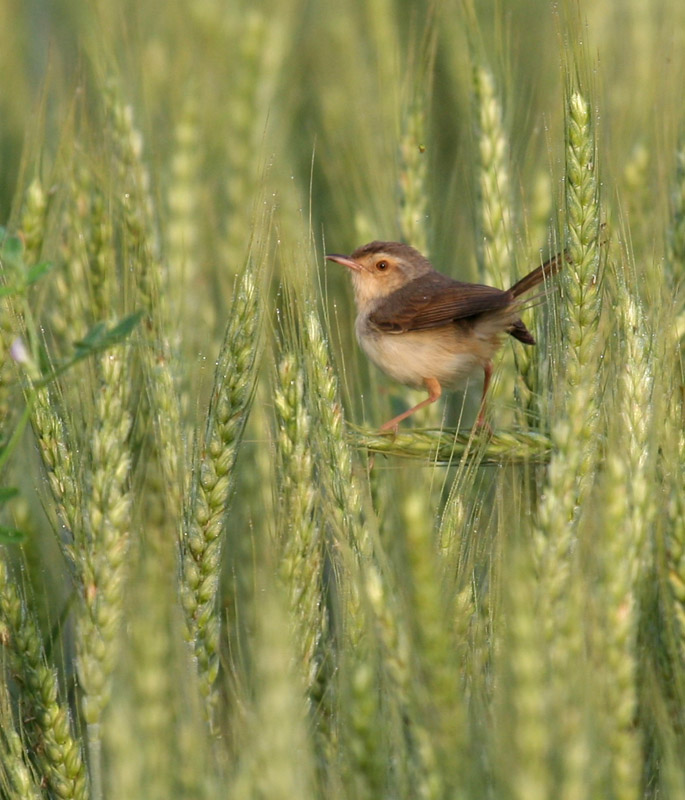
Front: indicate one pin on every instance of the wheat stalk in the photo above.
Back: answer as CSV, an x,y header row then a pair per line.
x,y
675,261
524,740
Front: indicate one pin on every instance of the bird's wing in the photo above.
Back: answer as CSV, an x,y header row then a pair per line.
x,y
435,300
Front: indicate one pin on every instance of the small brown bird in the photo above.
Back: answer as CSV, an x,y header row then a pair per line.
x,y
425,329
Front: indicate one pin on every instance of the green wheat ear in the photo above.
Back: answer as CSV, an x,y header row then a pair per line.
x,y
495,201
50,732
301,531
17,777
628,521
413,179
204,530
575,432
444,446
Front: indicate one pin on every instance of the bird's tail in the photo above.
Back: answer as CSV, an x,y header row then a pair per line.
x,y
537,276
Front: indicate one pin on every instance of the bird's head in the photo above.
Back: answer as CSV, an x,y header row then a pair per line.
x,y
380,268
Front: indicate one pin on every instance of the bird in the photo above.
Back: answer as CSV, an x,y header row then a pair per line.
x,y
427,330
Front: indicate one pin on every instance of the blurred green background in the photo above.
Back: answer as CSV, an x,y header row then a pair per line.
x,y
321,92
491,628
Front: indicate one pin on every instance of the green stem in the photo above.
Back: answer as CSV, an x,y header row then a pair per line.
x,y
6,452
95,760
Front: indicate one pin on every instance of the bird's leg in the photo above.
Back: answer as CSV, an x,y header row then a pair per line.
x,y
480,422
434,392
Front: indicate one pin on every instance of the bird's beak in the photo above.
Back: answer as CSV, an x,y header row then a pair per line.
x,y
346,261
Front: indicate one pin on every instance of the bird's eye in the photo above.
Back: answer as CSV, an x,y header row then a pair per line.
x,y
381,266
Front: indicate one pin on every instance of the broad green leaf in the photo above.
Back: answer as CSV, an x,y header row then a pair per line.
x,y
7,493
10,535
98,338
12,250
37,271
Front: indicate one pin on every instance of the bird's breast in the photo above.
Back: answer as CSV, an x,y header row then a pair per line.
x,y
449,353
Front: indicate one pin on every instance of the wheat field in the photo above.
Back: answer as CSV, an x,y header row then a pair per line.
x,y
217,579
